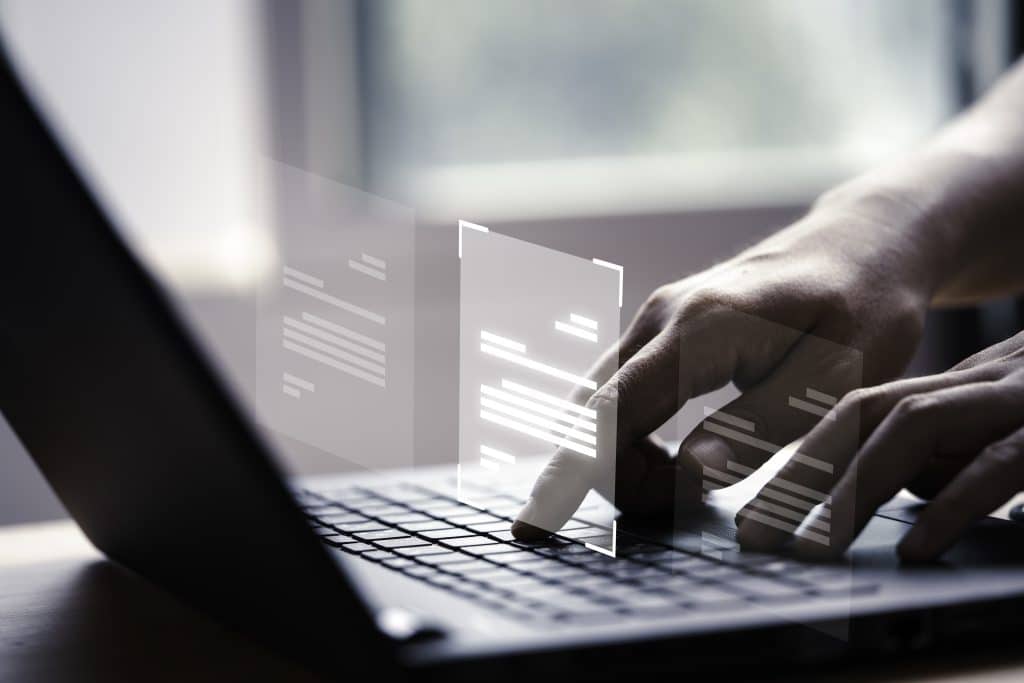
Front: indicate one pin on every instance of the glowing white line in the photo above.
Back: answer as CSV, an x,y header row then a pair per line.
x,y
489,465
817,496
615,541
821,397
303,277
291,391
536,433
375,262
574,420
299,382
539,367
500,456
741,437
367,270
538,421
575,331
583,322
326,360
745,425
812,408
335,301
502,341
334,339
786,513
334,351
813,462
549,399
344,331
613,266
720,476
789,528
471,226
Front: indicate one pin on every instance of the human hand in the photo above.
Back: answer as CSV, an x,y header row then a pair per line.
x,y
854,273
956,437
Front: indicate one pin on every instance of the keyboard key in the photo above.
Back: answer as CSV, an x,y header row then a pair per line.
x,y
471,519
467,541
492,549
764,589
379,555
489,527
445,533
360,526
431,525
404,517
341,518
380,535
355,547
406,542
417,551
455,559
467,565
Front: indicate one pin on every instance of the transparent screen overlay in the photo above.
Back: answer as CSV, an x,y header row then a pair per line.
x,y
782,487
534,323
336,320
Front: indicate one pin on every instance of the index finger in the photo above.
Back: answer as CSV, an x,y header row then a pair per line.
x,y
569,475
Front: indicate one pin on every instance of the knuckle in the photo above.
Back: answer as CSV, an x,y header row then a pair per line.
x,y
863,403
708,301
1003,454
914,408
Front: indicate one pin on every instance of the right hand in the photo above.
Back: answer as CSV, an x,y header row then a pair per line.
x,y
855,273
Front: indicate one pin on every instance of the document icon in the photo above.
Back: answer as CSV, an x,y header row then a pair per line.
x,y
534,322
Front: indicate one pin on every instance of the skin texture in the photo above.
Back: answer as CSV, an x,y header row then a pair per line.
x,y
835,301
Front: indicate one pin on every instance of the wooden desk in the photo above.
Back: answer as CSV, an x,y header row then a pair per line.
x,y
67,615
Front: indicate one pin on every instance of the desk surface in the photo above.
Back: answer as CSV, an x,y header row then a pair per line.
x,y
67,615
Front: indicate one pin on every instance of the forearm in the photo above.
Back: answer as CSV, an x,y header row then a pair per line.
x,y
960,199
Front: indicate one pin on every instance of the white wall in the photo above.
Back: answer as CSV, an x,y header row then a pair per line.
x,y
160,103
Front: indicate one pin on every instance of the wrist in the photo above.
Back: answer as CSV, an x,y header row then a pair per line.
x,y
907,226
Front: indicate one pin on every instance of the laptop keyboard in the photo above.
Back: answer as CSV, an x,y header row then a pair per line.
x,y
469,551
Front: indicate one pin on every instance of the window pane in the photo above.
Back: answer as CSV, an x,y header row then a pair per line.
x,y
466,81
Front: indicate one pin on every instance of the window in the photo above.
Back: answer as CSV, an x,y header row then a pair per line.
x,y
607,105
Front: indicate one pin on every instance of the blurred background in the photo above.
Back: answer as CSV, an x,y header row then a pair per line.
x,y
662,135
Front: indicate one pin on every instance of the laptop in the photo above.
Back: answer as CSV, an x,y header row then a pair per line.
x,y
146,446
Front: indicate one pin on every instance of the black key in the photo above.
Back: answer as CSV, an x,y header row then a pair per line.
x,y
446,533
355,547
379,555
360,526
380,535
764,589
406,542
417,551
492,549
467,541
456,559
430,525
403,517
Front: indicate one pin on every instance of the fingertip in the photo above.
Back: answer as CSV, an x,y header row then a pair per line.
x,y
914,548
522,531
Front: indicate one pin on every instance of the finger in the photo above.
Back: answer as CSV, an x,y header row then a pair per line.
x,y
772,516
738,438
994,477
960,417
568,476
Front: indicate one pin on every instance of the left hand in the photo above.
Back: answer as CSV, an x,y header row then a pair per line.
x,y
956,437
